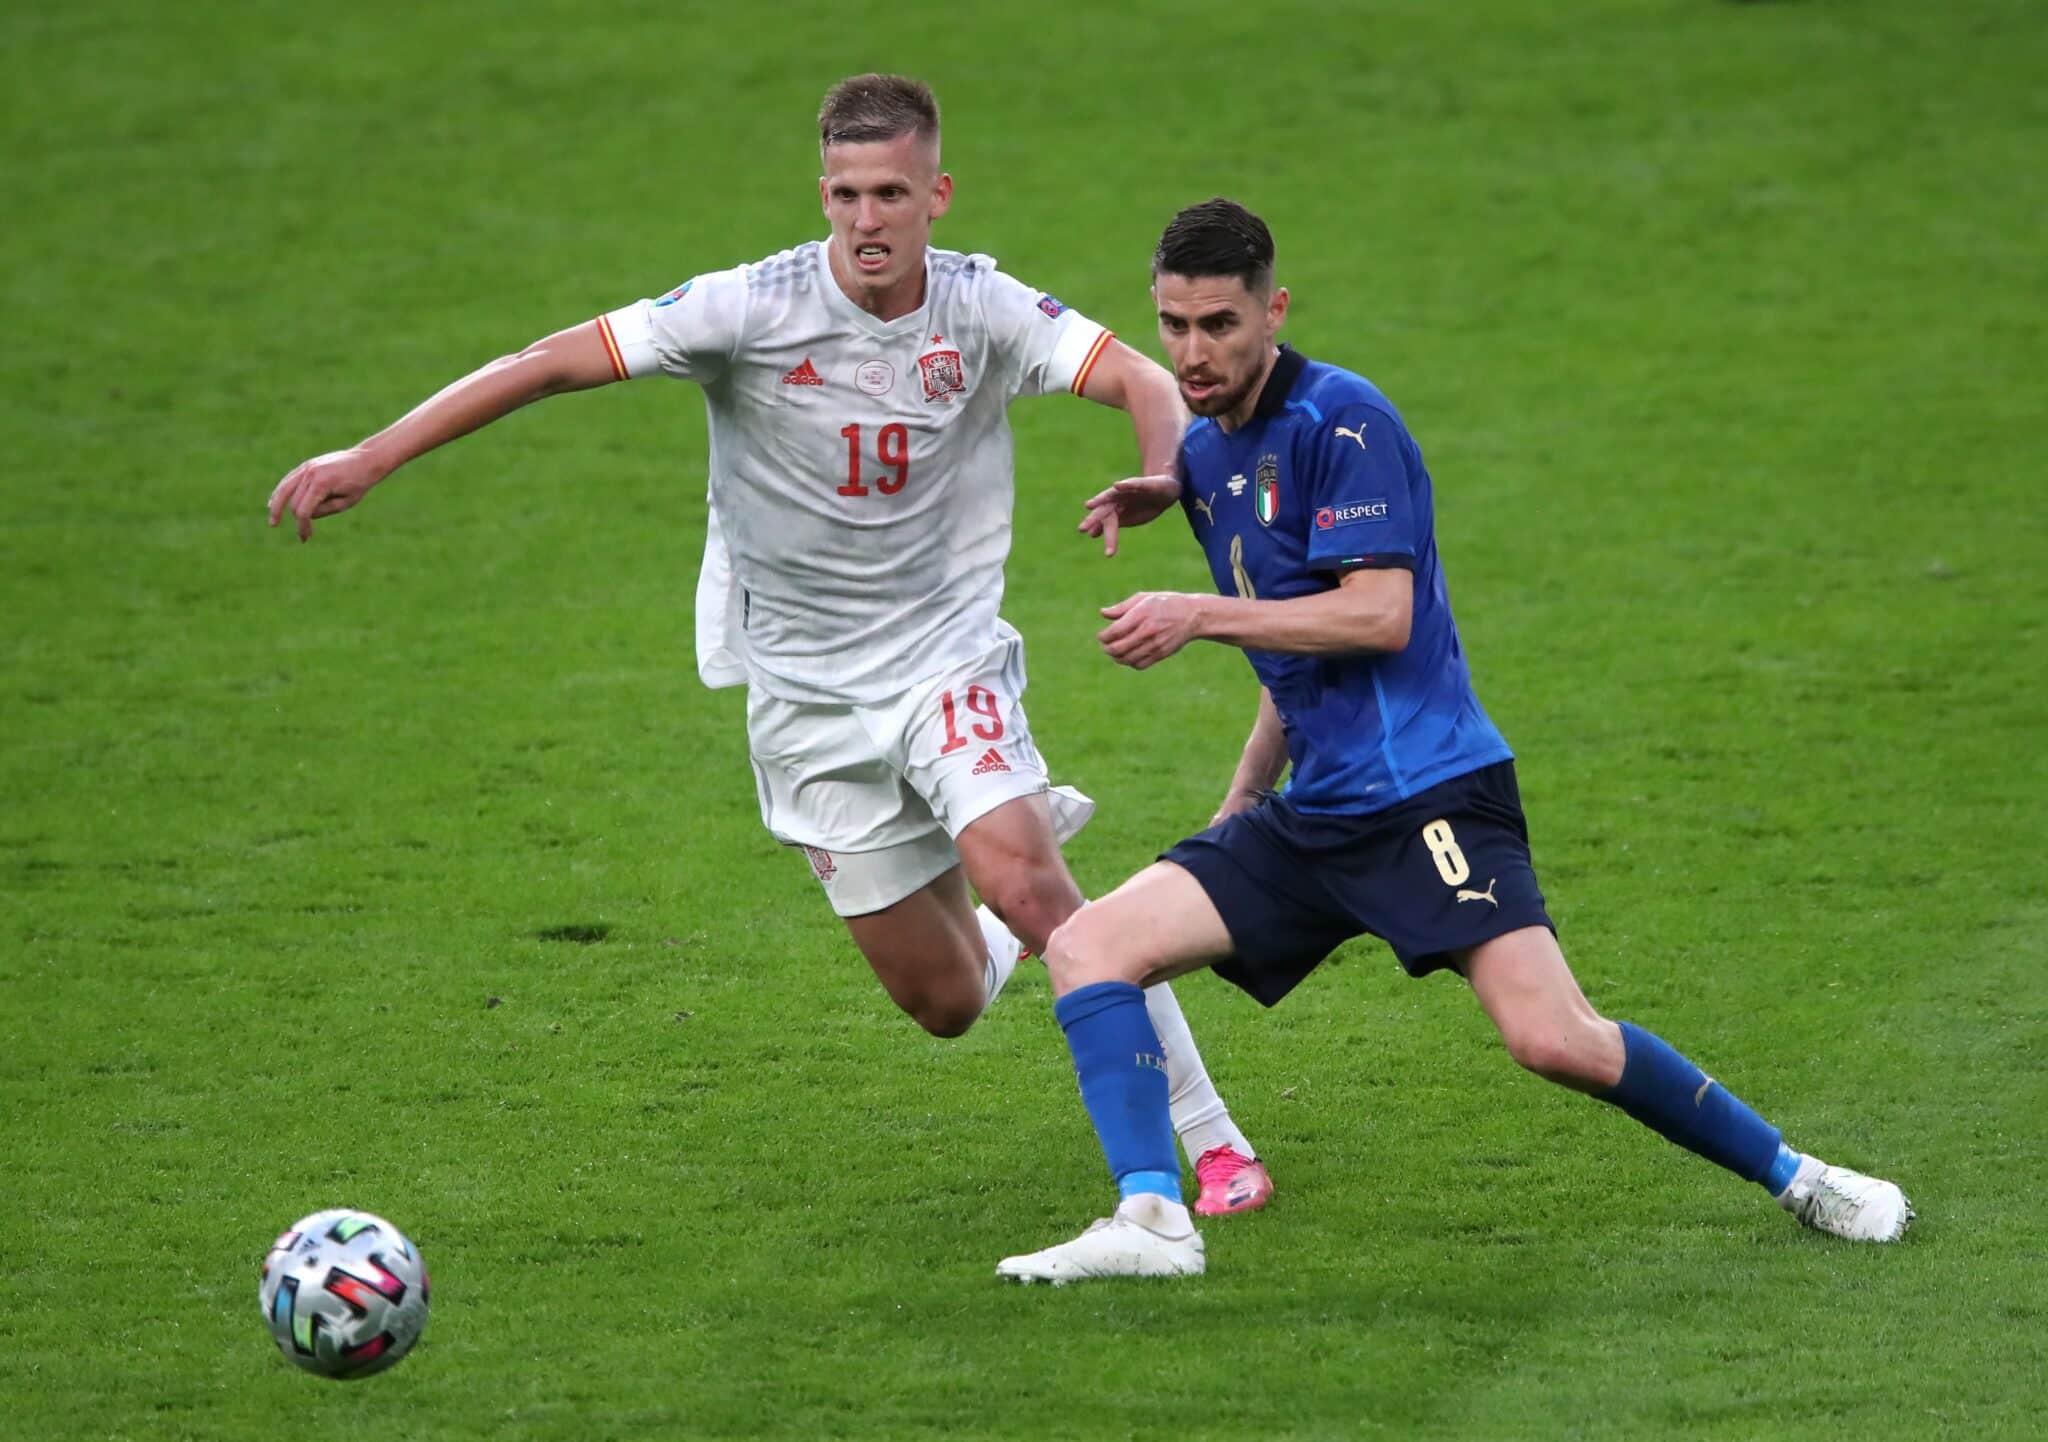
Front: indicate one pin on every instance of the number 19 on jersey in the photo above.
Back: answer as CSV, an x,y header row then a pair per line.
x,y
892,449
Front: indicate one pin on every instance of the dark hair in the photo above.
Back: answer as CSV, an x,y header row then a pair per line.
x,y
877,107
1217,237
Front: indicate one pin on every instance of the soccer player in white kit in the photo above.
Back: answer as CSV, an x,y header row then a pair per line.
x,y
862,488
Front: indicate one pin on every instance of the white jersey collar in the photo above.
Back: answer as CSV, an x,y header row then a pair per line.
x,y
843,305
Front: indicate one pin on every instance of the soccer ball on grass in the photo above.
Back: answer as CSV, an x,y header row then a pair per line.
x,y
345,1293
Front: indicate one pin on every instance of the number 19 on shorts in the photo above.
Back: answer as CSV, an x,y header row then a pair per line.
x,y
982,703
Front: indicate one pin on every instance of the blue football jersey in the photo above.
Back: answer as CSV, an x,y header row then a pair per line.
x,y
1324,479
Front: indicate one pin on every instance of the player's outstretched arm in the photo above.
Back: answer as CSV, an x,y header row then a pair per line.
x,y
569,360
1259,768
1141,388
1369,610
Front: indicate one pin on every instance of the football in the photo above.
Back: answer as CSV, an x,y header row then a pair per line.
x,y
344,1294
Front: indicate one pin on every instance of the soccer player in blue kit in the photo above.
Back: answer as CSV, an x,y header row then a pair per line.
x,y
1401,817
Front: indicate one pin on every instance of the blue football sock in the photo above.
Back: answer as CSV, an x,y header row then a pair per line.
x,y
1782,1171
1668,1094
1122,1071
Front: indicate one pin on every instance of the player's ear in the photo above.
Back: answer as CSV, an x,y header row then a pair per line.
x,y
942,195
824,199
1276,308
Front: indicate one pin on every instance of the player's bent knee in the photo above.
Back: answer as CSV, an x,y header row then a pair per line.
x,y
942,1016
1066,958
947,1022
1542,1053
1083,950
1557,1053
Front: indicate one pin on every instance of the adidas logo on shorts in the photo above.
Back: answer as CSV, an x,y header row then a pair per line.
x,y
991,760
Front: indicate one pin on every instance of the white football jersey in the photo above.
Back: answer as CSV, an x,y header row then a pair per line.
x,y
861,469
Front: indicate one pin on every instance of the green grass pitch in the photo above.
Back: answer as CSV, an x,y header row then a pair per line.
x,y
1721,328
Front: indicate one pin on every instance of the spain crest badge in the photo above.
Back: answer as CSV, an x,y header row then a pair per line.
x,y
942,374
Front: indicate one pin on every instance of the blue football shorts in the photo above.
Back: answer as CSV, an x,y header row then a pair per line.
x,y
1432,876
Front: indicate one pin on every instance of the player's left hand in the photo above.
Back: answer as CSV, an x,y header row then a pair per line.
x,y
1145,629
1130,502
323,486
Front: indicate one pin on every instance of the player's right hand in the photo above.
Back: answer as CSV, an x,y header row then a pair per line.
x,y
1238,799
323,486
1130,502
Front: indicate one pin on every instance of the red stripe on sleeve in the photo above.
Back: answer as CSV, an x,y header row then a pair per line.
x,y
611,347
1094,354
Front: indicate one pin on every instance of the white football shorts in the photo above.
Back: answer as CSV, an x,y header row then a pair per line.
x,y
875,794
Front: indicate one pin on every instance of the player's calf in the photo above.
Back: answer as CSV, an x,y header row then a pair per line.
x,y
1013,860
1032,904
929,953
1547,1024
1550,1028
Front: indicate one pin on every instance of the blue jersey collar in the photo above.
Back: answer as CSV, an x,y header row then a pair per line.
x,y
1279,382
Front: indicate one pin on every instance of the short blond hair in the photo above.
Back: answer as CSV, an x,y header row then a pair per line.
x,y
866,108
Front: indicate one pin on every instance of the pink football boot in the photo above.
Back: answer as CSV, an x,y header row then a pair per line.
x,y
1231,1182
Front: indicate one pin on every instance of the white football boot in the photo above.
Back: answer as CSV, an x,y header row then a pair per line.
x,y
1148,1237
1846,1204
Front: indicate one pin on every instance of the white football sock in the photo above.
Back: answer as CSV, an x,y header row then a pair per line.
x,y
1160,1214
1802,1184
1002,954
1198,1112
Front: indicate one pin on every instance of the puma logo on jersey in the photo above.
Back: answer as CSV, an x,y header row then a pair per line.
x,y
804,375
1357,435
1207,507
1485,896
991,760
1701,1095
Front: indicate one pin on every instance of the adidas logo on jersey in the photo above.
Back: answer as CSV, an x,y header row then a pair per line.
x,y
991,760
804,375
